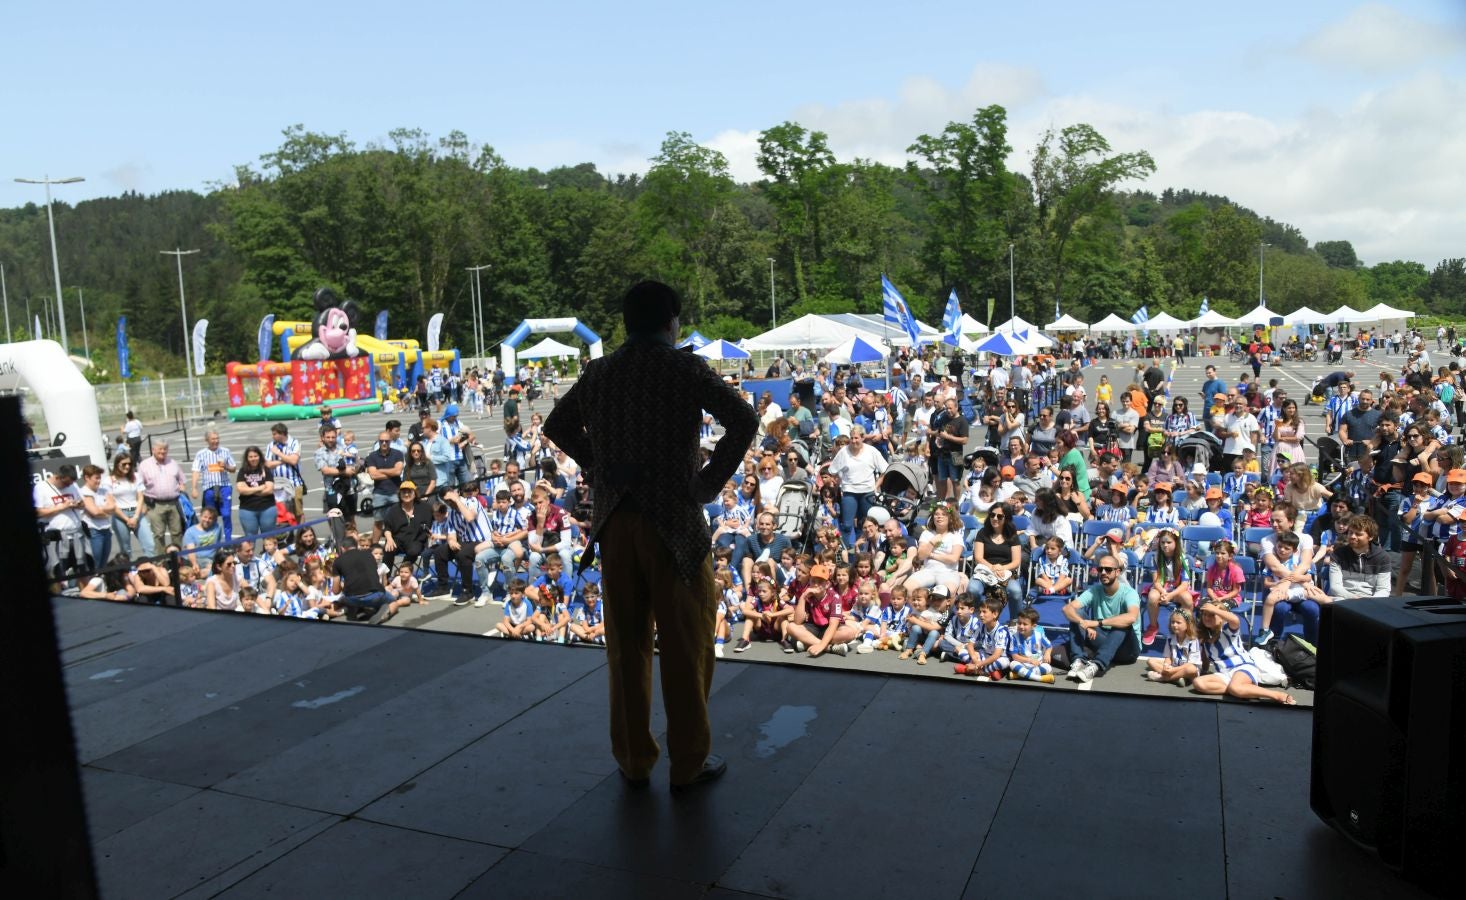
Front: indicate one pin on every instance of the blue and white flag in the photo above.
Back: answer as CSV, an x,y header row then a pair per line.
x,y
895,310
435,331
124,357
200,340
1141,316
380,331
952,321
262,337
1205,307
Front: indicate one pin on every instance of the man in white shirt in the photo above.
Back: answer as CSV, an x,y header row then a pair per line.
x,y
998,376
59,506
1240,428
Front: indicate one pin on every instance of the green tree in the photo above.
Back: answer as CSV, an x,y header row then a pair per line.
x,y
1396,284
1074,175
1445,290
801,171
1338,254
685,192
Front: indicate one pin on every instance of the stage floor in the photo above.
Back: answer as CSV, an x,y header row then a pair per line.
x,y
226,755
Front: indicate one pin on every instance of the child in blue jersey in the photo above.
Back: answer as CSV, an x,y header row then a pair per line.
x,y
1215,497
350,456
1220,636
189,593
956,642
518,613
1181,661
929,617
1234,483
1118,510
894,619
729,604
1029,649
587,623
868,606
1291,556
1052,576
989,646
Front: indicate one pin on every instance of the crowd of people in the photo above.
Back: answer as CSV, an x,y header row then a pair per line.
x,y
1043,487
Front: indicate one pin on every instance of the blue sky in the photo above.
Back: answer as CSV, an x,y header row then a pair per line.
x,y
1347,120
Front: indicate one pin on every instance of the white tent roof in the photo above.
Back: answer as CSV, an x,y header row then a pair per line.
x,y
1350,314
1164,321
1066,322
972,326
857,350
1113,322
1212,319
1305,316
1013,325
1385,311
548,347
1259,316
1033,337
830,330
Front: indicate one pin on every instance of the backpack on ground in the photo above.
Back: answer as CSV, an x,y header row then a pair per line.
x,y
1299,660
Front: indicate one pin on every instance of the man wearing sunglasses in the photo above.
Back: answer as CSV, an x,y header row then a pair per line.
x,y
1104,624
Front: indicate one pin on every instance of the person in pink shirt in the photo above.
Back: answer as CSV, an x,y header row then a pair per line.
x,y
162,482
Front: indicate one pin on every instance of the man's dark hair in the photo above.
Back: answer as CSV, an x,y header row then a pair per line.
x,y
649,306
66,472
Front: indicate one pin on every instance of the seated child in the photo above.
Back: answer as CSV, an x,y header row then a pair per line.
x,y
930,611
1182,660
872,624
729,600
956,643
587,622
1293,586
1224,578
989,645
518,613
1029,649
1260,513
1234,483
894,618
764,614
1052,571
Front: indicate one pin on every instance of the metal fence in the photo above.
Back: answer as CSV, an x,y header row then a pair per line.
x,y
160,400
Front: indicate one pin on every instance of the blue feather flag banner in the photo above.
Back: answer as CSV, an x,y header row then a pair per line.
x,y
262,339
380,331
1205,306
952,321
124,357
1141,316
895,311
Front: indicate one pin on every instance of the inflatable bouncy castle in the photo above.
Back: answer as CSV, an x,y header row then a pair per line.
x,y
325,362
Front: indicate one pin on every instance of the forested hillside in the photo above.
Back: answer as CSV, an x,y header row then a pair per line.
x,y
394,225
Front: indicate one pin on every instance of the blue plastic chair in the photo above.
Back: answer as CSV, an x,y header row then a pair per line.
x,y
1093,529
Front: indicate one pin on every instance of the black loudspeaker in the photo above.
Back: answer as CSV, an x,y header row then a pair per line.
x,y
1389,731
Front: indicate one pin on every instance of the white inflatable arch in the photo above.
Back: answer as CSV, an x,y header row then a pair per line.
x,y
67,399
508,356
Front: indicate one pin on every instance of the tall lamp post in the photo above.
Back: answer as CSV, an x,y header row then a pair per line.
x,y
1260,245
86,345
1012,298
178,255
55,261
478,311
773,310
6,295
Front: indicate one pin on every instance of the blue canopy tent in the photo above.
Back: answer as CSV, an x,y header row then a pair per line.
x,y
721,349
695,340
856,351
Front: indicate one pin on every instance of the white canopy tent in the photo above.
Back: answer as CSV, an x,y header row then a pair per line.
x,y
1164,321
1305,316
68,401
1066,322
815,331
1212,319
1385,311
1350,314
1260,315
972,326
1034,337
1014,325
547,348
857,350
1113,322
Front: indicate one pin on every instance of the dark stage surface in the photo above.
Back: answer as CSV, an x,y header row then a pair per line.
x,y
230,755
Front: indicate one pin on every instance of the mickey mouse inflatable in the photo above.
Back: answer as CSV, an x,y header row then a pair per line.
x,y
333,333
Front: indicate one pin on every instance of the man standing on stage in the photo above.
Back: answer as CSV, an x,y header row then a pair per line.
x,y
632,422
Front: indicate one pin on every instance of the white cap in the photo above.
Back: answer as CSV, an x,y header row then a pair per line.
x,y
878,515
1198,469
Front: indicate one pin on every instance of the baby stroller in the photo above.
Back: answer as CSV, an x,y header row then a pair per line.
x,y
796,511
1199,447
901,489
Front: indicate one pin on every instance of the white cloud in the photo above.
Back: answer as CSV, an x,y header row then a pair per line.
x,y
1377,38
128,176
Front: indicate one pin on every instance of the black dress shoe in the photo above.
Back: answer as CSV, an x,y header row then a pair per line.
x,y
712,769
635,783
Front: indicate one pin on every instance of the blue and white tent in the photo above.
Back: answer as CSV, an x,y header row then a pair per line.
x,y
721,349
1004,343
856,351
695,340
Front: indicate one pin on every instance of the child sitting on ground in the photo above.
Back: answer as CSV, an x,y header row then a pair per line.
x,y
1029,649
956,643
587,624
518,613
728,601
1182,660
989,646
868,607
894,618
764,614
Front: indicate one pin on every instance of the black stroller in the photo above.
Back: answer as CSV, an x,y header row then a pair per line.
x,y
1199,447
901,489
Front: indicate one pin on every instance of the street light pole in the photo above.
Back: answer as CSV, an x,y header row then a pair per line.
x,y
478,311
86,347
178,255
55,260
1012,301
773,310
6,295
1260,245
